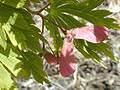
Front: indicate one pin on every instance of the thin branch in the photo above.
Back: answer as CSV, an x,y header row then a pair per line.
x,y
42,28
37,12
44,8
42,17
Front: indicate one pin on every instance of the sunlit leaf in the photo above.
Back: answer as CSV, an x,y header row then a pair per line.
x,y
32,63
8,61
3,39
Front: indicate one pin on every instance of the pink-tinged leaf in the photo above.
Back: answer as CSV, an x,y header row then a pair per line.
x,y
51,59
67,60
94,34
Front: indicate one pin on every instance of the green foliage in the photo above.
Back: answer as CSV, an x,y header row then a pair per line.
x,y
8,61
17,30
94,51
32,63
20,39
85,11
54,32
3,39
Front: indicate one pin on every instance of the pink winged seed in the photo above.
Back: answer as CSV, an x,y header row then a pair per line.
x,y
67,60
51,59
94,34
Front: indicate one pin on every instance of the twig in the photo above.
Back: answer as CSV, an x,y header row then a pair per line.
x,y
42,17
42,28
37,12
43,8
